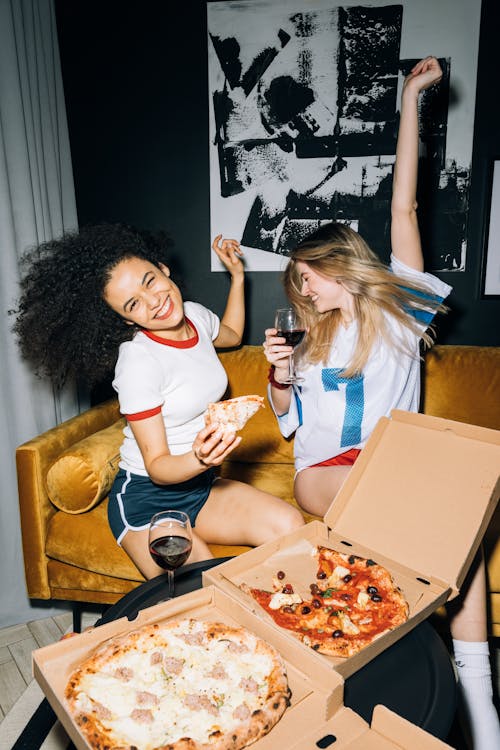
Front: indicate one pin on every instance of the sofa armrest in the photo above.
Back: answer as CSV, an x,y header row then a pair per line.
x,y
33,460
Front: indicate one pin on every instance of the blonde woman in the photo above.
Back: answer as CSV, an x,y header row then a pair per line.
x,y
360,359
365,323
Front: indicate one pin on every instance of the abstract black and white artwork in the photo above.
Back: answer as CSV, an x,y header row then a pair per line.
x,y
304,112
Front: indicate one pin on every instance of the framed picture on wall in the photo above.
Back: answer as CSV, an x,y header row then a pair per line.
x,y
304,112
491,258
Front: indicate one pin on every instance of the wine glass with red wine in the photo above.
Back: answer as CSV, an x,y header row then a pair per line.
x,y
170,542
289,328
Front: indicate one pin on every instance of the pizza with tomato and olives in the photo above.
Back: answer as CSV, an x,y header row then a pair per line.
x,y
179,685
352,602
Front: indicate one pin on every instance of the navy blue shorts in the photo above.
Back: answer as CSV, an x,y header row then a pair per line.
x,y
134,499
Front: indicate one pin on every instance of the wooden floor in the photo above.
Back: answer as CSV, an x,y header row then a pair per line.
x,y
16,644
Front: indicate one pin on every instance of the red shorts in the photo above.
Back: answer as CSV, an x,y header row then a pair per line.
x,y
343,459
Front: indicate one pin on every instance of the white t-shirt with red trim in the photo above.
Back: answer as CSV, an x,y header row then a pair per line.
x,y
331,414
177,378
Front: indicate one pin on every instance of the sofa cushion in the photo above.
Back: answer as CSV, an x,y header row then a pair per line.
x,y
462,383
262,441
82,476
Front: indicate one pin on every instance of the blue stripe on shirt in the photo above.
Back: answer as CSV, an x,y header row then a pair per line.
x,y
423,316
299,405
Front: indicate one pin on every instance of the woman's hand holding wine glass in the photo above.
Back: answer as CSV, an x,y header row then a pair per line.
x,y
288,327
170,542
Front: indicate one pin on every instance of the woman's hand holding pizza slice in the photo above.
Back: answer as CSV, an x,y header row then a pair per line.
x,y
213,444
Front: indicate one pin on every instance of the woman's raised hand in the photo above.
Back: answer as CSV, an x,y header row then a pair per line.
x,y
229,253
424,74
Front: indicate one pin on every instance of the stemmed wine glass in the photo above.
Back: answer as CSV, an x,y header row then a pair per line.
x,y
289,328
170,542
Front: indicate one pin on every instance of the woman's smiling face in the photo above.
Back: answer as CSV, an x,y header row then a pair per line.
x,y
325,293
143,294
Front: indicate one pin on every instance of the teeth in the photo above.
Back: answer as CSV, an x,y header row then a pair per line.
x,y
164,308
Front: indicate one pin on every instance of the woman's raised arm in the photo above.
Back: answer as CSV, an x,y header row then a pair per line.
x,y
405,234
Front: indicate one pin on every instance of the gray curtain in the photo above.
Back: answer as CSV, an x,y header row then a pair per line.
x,y
37,203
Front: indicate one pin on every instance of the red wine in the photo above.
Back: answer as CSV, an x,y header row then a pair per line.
x,y
170,552
292,338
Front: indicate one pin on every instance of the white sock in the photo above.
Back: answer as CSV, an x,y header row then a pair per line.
x,y
476,694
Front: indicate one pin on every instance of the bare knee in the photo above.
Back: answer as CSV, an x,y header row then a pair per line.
x,y
313,505
287,520
310,498
316,488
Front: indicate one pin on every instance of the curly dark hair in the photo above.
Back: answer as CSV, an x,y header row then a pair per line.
x,y
64,327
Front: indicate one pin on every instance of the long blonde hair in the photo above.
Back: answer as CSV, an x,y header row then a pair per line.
x,y
339,253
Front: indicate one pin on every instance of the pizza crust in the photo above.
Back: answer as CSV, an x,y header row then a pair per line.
x,y
181,685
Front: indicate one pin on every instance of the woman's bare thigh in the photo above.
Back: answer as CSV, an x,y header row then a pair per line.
x,y
316,488
237,513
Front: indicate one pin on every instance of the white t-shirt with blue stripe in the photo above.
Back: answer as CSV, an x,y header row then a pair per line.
x,y
330,413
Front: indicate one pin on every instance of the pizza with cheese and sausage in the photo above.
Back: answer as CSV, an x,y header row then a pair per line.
x,y
352,602
234,413
179,685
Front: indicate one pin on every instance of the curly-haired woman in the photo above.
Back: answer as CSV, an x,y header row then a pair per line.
x,y
102,298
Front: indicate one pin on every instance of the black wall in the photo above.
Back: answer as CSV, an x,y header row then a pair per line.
x,y
136,86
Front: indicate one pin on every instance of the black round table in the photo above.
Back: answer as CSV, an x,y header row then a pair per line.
x,y
414,677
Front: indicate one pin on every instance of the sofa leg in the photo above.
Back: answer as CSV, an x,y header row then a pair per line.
x,y
77,617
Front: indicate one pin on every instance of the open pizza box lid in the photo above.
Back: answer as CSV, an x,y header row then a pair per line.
x,y
417,501
422,492
316,716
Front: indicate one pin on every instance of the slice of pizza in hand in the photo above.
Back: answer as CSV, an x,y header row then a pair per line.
x,y
234,413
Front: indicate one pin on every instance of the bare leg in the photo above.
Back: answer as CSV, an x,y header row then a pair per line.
x,y
468,626
237,513
135,544
468,613
316,488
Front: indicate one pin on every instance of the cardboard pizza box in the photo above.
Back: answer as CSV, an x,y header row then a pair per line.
x,y
347,731
417,500
315,718
316,694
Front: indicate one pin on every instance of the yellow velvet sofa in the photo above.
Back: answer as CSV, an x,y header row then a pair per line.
x,y
64,475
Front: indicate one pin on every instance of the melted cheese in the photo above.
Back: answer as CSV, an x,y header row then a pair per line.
x,y
280,600
363,599
347,624
119,696
339,571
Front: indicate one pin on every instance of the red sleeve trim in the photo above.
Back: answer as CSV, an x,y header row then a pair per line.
x,y
143,414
